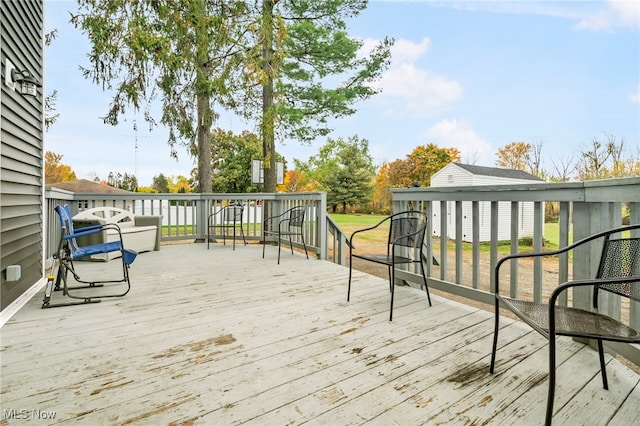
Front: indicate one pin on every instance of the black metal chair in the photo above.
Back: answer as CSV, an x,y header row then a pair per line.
x,y
68,251
405,245
224,219
287,224
618,272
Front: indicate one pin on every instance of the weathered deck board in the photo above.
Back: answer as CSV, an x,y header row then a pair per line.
x,y
226,337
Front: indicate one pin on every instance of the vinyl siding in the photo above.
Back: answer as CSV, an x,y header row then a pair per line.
x,y
454,175
21,150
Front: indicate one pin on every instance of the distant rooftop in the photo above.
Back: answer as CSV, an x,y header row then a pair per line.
x,y
497,172
87,186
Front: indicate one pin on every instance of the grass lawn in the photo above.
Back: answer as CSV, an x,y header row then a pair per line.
x,y
352,222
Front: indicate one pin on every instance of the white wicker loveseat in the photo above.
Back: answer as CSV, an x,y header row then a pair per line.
x,y
139,233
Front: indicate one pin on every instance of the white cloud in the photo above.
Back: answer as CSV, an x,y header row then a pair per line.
x,y
404,50
409,90
412,91
458,134
614,14
635,97
626,12
588,15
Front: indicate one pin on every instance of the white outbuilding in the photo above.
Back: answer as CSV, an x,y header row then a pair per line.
x,y
466,175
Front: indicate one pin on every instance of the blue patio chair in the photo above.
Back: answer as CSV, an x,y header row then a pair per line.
x,y
405,244
224,219
287,224
68,251
618,273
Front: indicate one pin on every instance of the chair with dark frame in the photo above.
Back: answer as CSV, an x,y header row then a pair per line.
x,y
405,245
287,224
224,219
618,273
68,251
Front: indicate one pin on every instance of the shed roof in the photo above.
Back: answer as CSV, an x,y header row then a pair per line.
x,y
497,172
87,186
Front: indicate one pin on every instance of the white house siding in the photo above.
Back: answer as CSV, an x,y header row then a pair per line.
x,y
21,150
453,175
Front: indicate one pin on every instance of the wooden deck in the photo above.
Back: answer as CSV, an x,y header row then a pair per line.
x,y
226,337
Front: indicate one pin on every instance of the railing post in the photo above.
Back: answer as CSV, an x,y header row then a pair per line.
x,y
590,218
202,210
634,307
586,218
321,226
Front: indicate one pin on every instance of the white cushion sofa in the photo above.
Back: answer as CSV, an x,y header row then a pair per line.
x,y
139,233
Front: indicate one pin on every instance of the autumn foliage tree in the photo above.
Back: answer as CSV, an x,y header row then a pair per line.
x,y
606,160
181,185
381,198
416,168
296,181
425,161
55,171
514,156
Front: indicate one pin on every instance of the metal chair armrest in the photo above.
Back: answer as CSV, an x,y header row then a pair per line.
x,y
351,245
555,294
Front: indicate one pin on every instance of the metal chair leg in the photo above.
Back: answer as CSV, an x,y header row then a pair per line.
x,y
552,378
424,278
392,277
495,337
350,269
603,369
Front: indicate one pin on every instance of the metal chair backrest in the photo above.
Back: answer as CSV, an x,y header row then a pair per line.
x,y
620,258
296,217
233,213
407,230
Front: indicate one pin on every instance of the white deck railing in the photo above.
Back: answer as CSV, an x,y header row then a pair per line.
x,y
184,216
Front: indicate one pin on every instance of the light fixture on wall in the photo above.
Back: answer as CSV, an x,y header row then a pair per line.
x,y
28,83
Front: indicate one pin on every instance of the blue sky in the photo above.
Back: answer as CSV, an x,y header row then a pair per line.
x,y
475,75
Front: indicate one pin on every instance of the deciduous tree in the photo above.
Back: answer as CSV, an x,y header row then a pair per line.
x,y
50,113
296,181
160,183
345,170
515,156
424,161
125,181
55,171
181,185
231,160
416,168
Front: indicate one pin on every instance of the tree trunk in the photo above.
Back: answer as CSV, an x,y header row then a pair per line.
x,y
204,145
268,116
203,100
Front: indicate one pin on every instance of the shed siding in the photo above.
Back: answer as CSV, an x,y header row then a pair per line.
x,y
454,175
21,150
451,176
